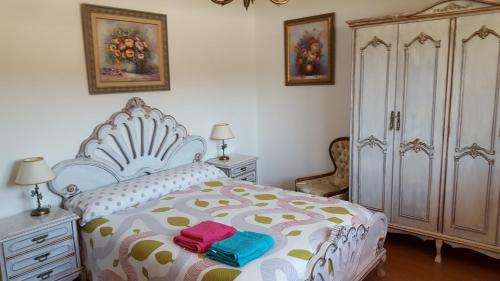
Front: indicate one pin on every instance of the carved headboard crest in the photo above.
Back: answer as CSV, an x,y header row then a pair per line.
x,y
135,103
135,141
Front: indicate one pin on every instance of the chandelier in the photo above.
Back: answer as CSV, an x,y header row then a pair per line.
x,y
247,2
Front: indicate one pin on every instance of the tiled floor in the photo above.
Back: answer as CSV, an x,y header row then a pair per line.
x,y
411,259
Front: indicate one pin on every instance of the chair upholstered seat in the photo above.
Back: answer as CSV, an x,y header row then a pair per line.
x,y
335,183
323,187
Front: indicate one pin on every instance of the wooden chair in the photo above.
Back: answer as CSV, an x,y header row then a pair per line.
x,y
335,183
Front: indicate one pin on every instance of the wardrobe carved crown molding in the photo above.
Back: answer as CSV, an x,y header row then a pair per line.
x,y
375,42
442,9
482,33
452,7
422,38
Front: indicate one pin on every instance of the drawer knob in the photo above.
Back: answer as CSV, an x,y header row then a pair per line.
x,y
45,275
40,239
42,258
244,179
243,169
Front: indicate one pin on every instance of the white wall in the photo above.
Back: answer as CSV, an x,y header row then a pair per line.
x,y
226,65
297,124
45,107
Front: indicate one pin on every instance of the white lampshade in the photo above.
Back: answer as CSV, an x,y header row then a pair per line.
x,y
34,171
222,132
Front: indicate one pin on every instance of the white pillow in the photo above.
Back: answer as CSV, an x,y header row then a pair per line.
x,y
110,199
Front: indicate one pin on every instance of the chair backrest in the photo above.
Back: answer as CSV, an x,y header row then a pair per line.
x,y
339,152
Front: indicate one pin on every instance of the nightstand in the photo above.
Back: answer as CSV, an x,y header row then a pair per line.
x,y
40,248
238,167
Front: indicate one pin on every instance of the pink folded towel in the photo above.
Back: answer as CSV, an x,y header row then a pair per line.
x,y
200,237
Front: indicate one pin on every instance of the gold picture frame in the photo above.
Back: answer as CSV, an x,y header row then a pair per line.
x,y
310,50
125,50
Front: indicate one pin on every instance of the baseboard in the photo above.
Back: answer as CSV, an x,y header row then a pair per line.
x,y
489,250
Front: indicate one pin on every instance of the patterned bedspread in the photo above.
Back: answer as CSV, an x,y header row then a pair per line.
x,y
137,243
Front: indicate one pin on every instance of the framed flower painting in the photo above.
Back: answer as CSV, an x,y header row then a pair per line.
x,y
125,50
310,50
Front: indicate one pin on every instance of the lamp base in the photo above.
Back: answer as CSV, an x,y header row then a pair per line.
x,y
40,212
224,158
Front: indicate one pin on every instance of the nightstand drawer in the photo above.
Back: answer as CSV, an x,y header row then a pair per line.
x,y
36,239
40,257
53,271
252,177
248,167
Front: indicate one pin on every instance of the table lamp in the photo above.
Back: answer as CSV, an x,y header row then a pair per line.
x,y
34,171
222,132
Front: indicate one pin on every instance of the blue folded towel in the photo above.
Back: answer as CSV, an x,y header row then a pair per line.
x,y
241,248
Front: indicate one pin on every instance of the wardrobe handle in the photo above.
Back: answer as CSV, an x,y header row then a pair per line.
x,y
391,122
398,121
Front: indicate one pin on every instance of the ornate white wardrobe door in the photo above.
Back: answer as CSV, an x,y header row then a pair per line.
x,y
372,138
473,171
420,103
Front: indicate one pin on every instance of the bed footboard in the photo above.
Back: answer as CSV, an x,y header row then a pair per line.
x,y
351,252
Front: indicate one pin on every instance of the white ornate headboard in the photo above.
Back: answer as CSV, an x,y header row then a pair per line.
x,y
135,141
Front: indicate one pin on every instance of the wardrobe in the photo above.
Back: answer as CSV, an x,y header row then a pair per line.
x,y
425,124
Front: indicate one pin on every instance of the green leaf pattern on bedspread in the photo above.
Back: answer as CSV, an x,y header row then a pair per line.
x,y
221,274
178,221
294,233
266,197
143,249
137,243
161,210
106,231
145,272
214,183
164,257
94,224
336,220
263,219
301,254
336,210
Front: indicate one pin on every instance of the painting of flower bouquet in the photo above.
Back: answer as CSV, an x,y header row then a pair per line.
x,y
128,54
125,50
309,50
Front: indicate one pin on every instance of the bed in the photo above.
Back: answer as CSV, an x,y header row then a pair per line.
x,y
139,179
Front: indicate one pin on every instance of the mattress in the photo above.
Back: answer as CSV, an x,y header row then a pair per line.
x,y
137,243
